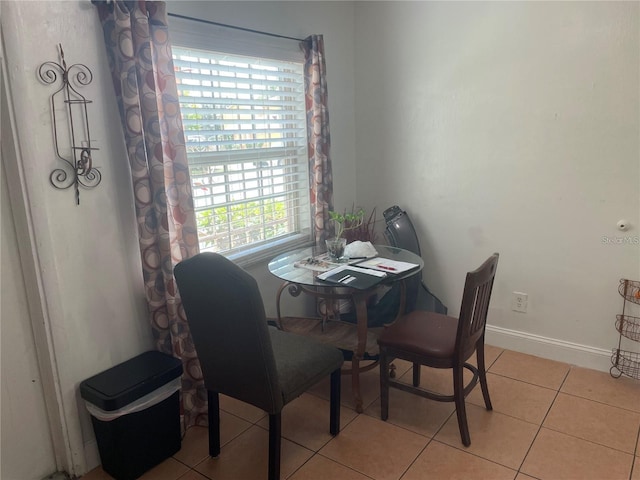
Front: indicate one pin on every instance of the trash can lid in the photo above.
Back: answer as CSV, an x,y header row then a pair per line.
x,y
122,384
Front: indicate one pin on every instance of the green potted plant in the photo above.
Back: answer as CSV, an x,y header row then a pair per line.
x,y
343,222
347,220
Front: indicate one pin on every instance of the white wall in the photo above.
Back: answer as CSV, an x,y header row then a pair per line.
x,y
509,127
87,255
516,131
25,424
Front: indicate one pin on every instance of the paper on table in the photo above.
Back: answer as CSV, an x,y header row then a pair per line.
x,y
368,271
353,277
387,265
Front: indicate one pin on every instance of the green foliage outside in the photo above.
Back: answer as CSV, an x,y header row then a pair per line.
x,y
242,224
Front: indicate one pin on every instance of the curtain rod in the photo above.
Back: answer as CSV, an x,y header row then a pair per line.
x,y
209,22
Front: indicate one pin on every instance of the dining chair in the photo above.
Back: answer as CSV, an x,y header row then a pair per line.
x,y
441,341
244,358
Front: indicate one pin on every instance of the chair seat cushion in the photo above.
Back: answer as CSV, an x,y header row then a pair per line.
x,y
301,362
422,333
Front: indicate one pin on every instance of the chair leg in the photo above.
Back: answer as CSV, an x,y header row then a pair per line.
x,y
384,384
461,413
213,410
416,374
482,373
334,416
275,440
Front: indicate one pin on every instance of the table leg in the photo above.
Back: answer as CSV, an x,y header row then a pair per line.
x,y
360,302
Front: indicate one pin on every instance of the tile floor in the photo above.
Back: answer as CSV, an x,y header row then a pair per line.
x,y
549,421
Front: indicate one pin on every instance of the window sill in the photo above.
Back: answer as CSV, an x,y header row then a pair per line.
x,y
263,253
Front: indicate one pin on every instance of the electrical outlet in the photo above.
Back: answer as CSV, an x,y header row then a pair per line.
x,y
519,302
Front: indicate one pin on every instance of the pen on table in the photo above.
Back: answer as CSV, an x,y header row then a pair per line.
x,y
384,267
357,258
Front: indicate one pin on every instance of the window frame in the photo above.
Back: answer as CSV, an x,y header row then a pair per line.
x,y
253,45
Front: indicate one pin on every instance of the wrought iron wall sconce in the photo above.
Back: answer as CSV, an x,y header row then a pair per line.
x,y
78,170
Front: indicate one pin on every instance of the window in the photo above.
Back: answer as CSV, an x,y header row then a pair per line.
x,y
245,131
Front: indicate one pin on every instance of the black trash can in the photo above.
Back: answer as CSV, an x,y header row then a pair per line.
x,y
135,411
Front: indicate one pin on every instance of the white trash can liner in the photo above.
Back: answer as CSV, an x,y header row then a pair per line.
x,y
142,403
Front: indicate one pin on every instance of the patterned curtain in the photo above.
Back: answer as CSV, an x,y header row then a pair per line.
x,y
319,138
137,43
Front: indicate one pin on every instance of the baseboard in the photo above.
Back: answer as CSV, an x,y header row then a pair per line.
x,y
58,476
551,348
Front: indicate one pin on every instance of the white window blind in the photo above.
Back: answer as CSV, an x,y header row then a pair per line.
x,y
245,131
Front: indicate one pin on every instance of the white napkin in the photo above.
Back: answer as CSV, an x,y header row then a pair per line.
x,y
360,249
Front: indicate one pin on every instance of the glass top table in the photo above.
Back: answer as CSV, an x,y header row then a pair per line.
x,y
357,338
284,266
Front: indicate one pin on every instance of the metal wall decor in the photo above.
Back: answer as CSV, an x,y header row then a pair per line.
x,y
67,101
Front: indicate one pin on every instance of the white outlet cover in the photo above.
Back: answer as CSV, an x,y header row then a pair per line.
x,y
519,302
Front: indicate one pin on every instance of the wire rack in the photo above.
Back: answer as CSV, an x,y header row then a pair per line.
x,y
630,290
628,327
625,362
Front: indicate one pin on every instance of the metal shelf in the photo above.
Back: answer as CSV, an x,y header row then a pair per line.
x,y
625,362
630,290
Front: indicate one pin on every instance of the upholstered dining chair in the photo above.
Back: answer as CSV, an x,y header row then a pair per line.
x,y
440,341
244,358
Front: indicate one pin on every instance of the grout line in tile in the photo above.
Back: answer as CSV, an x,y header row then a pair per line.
x,y
635,465
463,449
535,437
415,459
346,466
599,402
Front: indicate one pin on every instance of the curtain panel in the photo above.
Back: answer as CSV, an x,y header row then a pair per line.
x,y
137,43
319,138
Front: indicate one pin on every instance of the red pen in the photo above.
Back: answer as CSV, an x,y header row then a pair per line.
x,y
384,267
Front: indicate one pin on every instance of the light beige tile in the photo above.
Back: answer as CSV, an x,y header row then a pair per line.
x,y
240,409
369,387
438,380
246,457
593,421
195,444
97,474
193,475
530,369
306,421
443,461
491,354
413,412
592,436
375,448
170,469
515,398
321,468
556,455
494,436
636,470
620,392
322,388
